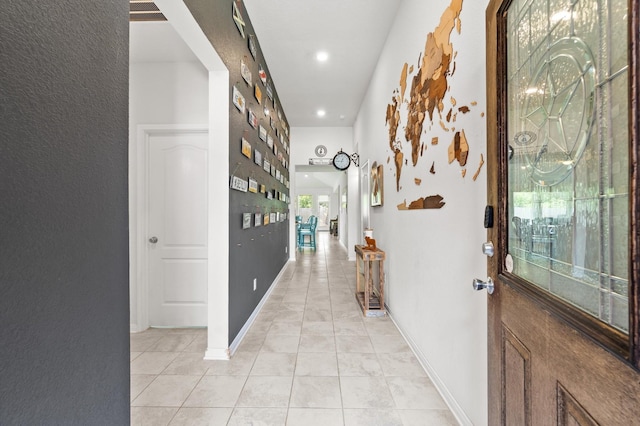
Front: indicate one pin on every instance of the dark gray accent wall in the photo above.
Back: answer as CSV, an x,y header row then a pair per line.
x,y
64,304
258,252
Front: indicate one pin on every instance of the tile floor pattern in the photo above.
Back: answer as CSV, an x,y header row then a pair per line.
x,y
310,358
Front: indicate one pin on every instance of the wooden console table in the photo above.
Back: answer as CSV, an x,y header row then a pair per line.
x,y
369,295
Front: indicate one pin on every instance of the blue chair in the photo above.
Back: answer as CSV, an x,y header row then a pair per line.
x,y
307,229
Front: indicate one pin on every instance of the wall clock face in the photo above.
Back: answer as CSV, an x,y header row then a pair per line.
x,y
341,161
558,111
321,150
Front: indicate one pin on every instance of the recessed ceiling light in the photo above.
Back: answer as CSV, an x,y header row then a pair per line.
x,y
321,113
306,176
322,56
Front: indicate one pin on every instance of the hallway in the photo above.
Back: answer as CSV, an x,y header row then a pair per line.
x,y
310,358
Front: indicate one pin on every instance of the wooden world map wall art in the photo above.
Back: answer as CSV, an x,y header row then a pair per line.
x,y
426,96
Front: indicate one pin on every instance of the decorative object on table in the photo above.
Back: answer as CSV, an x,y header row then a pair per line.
x,y
238,99
371,244
377,195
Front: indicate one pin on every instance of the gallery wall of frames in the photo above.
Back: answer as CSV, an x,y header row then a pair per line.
x,y
259,148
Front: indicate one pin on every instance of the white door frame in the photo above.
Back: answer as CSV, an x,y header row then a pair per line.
x,y
186,26
139,168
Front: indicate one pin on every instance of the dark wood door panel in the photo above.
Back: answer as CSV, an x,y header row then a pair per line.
x,y
596,386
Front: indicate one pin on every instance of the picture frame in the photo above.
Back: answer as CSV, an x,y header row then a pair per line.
x,y
252,118
263,189
262,133
253,186
258,94
253,47
257,157
269,90
265,220
246,148
246,220
272,217
257,219
266,165
238,184
262,74
238,99
377,185
245,71
238,19
269,141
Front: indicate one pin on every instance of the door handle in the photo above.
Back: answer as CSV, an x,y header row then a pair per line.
x,y
153,240
478,285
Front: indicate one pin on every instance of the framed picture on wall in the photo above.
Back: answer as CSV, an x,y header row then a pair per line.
x,y
252,118
266,166
265,220
377,196
246,148
237,18
269,90
257,157
245,71
257,219
262,132
253,47
262,73
246,220
258,94
253,185
238,99
269,141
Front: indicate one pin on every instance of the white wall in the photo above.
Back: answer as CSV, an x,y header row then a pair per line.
x,y
163,93
303,143
433,255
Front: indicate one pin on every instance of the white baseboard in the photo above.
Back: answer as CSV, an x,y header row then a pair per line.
x,y
133,328
216,354
247,325
451,402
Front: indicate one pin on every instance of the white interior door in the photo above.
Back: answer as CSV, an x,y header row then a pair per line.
x,y
177,229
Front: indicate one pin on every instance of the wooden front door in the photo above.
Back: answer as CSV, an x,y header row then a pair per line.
x,y
562,119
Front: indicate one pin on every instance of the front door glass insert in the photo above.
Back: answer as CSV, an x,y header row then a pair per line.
x,y
568,142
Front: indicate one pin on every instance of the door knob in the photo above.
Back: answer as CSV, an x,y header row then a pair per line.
x,y
487,248
478,284
153,240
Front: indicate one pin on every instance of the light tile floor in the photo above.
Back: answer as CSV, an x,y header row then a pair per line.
x,y
310,358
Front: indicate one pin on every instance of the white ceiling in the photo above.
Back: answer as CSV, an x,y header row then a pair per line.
x,y
352,32
290,33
